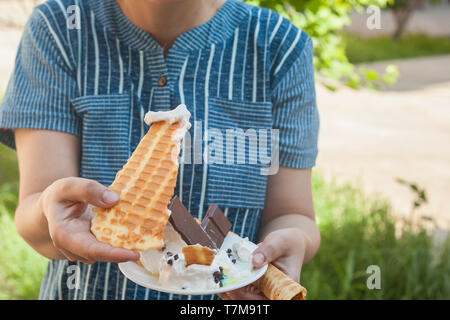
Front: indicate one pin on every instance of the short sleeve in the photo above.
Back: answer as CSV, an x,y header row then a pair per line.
x,y
295,112
42,84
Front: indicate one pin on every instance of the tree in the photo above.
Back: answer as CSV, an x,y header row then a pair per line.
x,y
323,20
402,11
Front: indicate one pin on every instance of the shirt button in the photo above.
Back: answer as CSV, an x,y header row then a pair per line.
x,y
162,81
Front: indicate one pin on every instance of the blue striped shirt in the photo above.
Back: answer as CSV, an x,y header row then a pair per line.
x,y
246,68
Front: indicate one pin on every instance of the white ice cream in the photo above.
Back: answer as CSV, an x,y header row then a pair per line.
x,y
180,113
244,250
151,259
229,265
195,276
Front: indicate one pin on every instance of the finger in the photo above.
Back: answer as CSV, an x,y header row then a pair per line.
x,y
246,293
104,252
85,245
223,296
270,249
74,258
85,190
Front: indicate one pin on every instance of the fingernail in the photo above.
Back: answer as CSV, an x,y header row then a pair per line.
x,y
258,258
110,196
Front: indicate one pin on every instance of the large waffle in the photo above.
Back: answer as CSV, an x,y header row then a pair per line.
x,y
145,186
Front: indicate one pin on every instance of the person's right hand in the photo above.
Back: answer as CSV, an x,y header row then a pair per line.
x,y
67,205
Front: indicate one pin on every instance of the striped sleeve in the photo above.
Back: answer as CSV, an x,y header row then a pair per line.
x,y
42,84
295,111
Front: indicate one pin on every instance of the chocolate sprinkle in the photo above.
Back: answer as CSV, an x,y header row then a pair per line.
x,y
175,257
217,276
234,260
228,250
170,262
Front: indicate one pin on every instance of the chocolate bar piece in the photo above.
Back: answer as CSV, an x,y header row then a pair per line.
x,y
216,224
183,222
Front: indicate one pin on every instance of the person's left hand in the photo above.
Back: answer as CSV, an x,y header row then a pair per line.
x,y
285,249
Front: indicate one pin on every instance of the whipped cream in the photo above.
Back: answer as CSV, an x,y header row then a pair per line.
x,y
244,250
175,274
151,259
229,265
180,113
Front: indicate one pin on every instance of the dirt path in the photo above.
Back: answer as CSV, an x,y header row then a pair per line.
x,y
371,137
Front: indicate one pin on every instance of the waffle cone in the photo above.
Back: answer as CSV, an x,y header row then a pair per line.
x,y
276,285
145,186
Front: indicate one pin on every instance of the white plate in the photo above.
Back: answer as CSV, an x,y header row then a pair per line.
x,y
137,274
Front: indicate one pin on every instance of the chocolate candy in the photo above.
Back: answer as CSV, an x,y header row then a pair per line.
x,y
210,233
183,222
216,224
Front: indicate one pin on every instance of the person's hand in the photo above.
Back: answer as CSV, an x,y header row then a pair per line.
x,y
285,249
67,207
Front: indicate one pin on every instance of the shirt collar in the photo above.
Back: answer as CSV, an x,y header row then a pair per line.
x,y
217,29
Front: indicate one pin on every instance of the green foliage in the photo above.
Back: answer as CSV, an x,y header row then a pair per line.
x,y
323,20
9,171
8,197
420,194
400,4
358,232
9,176
385,48
21,268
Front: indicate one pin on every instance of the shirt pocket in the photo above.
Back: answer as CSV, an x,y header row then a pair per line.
x,y
105,134
235,178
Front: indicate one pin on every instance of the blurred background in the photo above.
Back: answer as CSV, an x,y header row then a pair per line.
x,y
382,181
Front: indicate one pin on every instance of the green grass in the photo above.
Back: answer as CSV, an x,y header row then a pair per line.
x,y
9,172
21,268
356,232
9,177
385,48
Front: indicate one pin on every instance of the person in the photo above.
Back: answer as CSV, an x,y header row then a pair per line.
x,y
86,73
